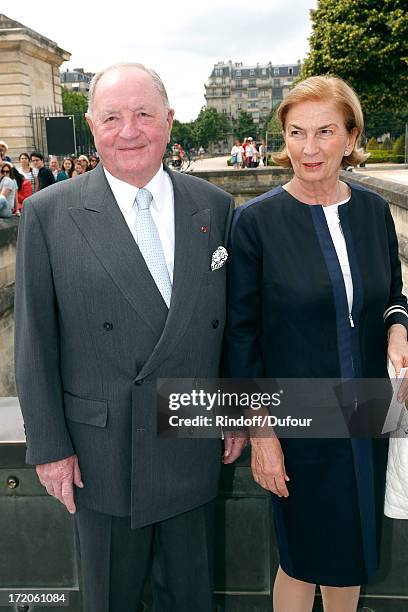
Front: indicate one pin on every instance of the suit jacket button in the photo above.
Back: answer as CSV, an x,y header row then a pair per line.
x,y
107,326
215,323
138,382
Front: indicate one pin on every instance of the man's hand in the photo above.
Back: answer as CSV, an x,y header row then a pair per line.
x,y
58,478
234,444
268,467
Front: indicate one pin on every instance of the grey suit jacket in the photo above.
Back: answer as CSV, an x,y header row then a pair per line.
x,y
92,335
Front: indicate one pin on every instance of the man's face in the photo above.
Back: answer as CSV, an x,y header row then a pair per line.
x,y
37,162
131,125
2,151
54,164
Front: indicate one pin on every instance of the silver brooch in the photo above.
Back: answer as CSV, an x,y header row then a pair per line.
x,y
219,257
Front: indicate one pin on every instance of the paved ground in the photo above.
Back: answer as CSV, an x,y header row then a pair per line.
x,y
388,172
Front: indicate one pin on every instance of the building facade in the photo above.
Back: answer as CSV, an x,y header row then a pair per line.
x,y
29,78
233,87
76,80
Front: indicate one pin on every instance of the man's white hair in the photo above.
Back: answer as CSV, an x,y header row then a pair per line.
x,y
157,82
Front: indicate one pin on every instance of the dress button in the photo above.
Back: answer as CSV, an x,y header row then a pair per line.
x,y
215,323
107,326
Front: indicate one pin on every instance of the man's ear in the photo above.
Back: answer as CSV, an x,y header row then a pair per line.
x,y
89,122
170,118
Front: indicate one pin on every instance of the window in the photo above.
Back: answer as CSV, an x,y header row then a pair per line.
x,y
224,91
252,83
239,94
238,74
276,82
263,71
238,84
252,72
263,93
253,93
252,105
239,106
290,71
224,111
276,71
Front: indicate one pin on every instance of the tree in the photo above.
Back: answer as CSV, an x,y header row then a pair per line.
x,y
372,144
399,145
210,125
73,102
366,43
183,133
244,126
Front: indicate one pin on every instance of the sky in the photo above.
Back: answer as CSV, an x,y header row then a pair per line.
x,y
180,40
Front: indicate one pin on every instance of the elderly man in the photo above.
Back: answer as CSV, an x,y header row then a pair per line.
x,y
115,289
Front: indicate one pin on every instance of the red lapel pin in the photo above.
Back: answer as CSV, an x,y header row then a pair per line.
x,y
204,229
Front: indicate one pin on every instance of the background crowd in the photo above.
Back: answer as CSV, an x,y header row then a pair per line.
x,y
247,154
33,174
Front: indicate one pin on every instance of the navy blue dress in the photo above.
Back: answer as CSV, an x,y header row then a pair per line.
x,y
288,318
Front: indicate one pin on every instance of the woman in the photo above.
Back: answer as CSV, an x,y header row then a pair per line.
x,y
59,175
84,163
315,284
26,169
8,190
93,162
236,155
79,169
24,190
68,167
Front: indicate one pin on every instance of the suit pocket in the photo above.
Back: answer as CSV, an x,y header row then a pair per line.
x,y
84,410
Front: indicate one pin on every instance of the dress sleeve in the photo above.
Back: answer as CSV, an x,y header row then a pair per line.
x,y
396,310
242,354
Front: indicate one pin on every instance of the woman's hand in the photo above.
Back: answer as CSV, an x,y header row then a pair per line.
x,y
268,467
398,355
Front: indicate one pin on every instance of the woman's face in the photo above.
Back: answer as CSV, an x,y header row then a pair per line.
x,y
66,164
54,164
93,162
316,139
78,167
24,160
83,164
5,171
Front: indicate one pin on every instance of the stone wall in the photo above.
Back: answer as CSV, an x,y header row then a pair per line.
x,y
8,238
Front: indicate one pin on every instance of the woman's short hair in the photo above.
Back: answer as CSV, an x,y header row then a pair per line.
x,y
326,88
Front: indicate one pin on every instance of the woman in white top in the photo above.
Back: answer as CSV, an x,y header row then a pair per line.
x,y
25,168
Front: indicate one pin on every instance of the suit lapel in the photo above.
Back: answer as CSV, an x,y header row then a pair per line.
x,y
103,226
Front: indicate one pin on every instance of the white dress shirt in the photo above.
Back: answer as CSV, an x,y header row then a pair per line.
x,y
333,222
162,209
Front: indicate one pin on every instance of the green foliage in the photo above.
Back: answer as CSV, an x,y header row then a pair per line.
x,y
378,123
379,156
183,133
372,144
210,126
244,126
270,124
387,144
366,43
73,102
399,145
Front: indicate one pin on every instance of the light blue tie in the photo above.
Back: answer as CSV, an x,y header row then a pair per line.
x,y
148,241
